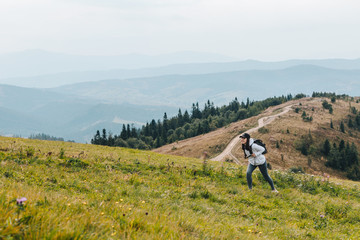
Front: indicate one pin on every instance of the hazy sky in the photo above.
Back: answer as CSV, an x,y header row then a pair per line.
x,y
246,29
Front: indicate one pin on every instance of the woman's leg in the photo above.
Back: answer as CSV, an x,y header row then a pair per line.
x,y
249,171
264,172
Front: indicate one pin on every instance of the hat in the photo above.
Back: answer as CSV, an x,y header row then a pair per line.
x,y
245,135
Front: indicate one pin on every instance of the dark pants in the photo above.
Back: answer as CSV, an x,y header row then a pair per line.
x,y
264,172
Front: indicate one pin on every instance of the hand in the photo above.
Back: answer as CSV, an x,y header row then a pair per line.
x,y
253,155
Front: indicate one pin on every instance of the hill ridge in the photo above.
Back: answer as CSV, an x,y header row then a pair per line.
x,y
282,136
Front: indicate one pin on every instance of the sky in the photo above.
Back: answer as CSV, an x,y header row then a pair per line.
x,y
269,30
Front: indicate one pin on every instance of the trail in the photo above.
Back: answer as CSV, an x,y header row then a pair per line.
x,y
261,123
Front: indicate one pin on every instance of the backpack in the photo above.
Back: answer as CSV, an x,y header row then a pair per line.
x,y
260,143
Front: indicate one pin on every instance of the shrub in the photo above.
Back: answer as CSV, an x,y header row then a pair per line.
x,y
75,162
30,151
263,130
62,153
296,170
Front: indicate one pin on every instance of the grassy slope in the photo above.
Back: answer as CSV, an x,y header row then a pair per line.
x,y
112,193
277,131
319,129
214,142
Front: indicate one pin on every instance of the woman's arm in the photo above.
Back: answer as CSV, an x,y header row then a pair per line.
x,y
257,149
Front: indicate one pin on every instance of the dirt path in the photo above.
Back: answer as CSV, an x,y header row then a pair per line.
x,y
262,122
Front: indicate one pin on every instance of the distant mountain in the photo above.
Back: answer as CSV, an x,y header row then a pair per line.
x,y
183,90
39,62
21,124
76,111
25,111
78,76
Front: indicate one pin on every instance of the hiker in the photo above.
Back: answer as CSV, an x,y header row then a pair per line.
x,y
254,152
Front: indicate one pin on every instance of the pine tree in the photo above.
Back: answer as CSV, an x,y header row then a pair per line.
x,y
104,137
128,131
133,132
123,133
180,120
350,123
341,145
153,129
146,129
331,124
342,127
186,117
111,140
97,138
165,128
326,148
303,114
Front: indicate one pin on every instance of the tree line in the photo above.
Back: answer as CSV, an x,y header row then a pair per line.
x,y
185,125
43,136
343,157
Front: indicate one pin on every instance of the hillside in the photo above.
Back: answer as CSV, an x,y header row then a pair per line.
x,y
58,190
285,132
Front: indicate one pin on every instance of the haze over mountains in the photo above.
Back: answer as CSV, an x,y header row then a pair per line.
x,y
39,62
80,94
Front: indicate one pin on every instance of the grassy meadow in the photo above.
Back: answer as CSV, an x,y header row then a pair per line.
x,y
79,191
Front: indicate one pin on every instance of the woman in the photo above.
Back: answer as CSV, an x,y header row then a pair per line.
x,y
254,152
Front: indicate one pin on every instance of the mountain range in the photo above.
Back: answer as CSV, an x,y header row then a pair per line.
x,y
183,90
68,100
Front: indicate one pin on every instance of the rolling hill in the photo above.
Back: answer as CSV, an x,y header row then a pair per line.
x,y
281,136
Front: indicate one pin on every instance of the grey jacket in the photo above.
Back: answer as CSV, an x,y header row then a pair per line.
x,y
257,150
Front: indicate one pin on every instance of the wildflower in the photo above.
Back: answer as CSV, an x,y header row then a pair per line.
x,y
249,230
20,201
69,204
116,202
113,234
84,203
322,216
102,213
143,202
121,200
129,209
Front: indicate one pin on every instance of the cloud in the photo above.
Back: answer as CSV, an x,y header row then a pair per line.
x,y
136,4
249,29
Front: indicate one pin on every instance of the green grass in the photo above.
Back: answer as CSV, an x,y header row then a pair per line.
x,y
92,192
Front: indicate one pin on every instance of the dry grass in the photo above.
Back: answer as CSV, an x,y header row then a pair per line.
x,y
286,156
